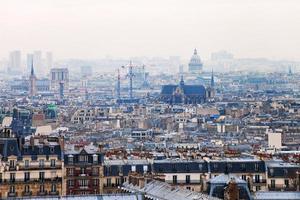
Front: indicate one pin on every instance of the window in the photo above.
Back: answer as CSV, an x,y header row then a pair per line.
x,y
26,176
52,162
70,183
174,179
83,158
27,188
42,188
257,188
108,182
41,150
286,183
133,168
41,163
271,172
53,187
256,167
42,175
70,171
257,178
0,177
83,183
244,177
145,168
70,159
200,167
82,170
272,183
26,163
188,179
96,182
12,164
12,177
243,166
95,171
95,158
12,189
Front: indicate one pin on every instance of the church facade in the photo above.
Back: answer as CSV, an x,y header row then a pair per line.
x,y
183,94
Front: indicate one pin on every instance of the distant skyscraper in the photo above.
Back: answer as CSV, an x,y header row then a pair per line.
x,y
14,61
195,64
29,61
180,69
221,55
59,76
37,61
86,71
49,61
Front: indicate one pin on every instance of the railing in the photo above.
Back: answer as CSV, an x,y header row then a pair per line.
x,y
42,193
259,181
58,179
280,187
29,193
184,182
12,194
53,193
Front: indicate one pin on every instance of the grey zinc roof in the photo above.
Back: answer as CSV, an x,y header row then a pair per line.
x,y
277,195
163,191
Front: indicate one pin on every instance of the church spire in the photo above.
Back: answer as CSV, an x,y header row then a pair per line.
x,y
181,81
195,51
32,70
212,81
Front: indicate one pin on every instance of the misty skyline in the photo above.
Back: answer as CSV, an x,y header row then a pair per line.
x,y
91,29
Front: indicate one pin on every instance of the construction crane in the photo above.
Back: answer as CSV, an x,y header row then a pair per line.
x,y
130,75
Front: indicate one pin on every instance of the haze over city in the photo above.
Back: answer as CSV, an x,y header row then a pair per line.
x,y
91,29
150,100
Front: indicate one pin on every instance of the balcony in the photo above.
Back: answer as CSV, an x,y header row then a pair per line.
x,y
27,193
12,194
21,181
259,182
42,193
54,193
281,188
184,182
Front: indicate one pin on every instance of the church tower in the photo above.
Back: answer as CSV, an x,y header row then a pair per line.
x,y
32,84
210,92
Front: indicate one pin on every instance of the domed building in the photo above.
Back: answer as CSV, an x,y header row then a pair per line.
x,y
195,64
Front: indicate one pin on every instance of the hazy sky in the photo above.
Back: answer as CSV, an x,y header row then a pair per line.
x,y
124,28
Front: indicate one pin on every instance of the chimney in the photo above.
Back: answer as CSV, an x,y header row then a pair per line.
x,y
61,141
231,192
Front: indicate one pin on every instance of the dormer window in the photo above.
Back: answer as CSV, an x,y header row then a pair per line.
x,y
133,168
256,166
145,168
40,150
271,172
41,162
95,158
26,163
200,167
83,158
12,163
26,149
70,159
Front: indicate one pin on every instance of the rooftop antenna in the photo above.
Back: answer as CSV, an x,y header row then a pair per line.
x,y
119,85
130,75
